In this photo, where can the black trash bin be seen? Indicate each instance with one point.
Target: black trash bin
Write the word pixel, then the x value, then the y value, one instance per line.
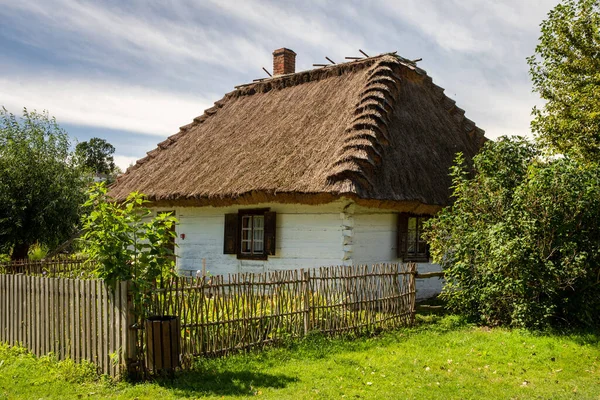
pixel 163 343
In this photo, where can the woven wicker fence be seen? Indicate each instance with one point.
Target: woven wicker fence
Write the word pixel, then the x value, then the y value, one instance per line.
pixel 224 314
pixel 50 268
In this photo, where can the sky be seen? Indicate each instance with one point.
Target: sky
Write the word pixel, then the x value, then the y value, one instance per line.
pixel 133 72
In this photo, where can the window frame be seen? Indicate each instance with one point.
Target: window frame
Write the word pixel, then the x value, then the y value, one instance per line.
pixel 251 256
pixel 233 234
pixel 417 242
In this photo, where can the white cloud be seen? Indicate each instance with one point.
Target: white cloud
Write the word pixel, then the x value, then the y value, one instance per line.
pixel 476 49
pixel 472 26
pixel 124 162
pixel 90 31
pixel 102 104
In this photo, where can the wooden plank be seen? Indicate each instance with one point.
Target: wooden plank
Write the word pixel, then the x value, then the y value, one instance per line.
pixel 132 334
pixel 3 295
pixel 84 306
pixel 30 313
pixel 72 341
pixel 8 283
pixel 25 316
pixel 77 320
pixel 64 321
pixel 52 315
pixel 91 322
pixel 10 308
pixel 124 331
pixel 59 318
pixel 35 319
pixel 5 301
pixel 167 331
pixel 19 304
pixel 44 331
pixel 426 275
pixel 110 337
pixel 105 328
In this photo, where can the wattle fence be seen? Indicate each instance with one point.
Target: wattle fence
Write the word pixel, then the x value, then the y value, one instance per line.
pixel 224 314
pixel 85 319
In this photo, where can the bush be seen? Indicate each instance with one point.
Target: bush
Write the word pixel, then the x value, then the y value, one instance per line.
pixel 124 242
pixel 521 244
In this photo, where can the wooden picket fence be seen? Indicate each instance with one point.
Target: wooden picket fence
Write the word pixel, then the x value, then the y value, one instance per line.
pixel 224 314
pixel 71 318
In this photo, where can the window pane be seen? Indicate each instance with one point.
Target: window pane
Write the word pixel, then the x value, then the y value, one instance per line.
pixel 259 233
pixel 412 223
pixel 247 222
pixel 246 247
pixel 246 234
pixel 411 242
pixel 411 236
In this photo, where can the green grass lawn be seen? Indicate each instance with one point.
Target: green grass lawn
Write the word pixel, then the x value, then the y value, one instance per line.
pixel 441 358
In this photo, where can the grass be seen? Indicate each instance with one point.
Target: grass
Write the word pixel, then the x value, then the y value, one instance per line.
pixel 442 358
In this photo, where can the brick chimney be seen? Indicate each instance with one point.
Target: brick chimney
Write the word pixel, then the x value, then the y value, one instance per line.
pixel 284 61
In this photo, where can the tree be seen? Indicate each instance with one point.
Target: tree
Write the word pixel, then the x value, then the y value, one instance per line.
pixel 41 186
pixel 565 71
pixel 125 243
pixel 520 245
pixel 96 154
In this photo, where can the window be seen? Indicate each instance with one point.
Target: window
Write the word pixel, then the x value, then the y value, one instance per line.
pixel 250 234
pixel 411 245
pixel 253 234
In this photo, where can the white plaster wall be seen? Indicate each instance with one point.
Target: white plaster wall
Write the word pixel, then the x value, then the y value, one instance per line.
pixel 306 236
pixel 375 241
pixel 338 233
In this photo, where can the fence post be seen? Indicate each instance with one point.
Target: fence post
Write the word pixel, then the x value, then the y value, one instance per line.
pixel 306 281
pixel 131 328
pixel 413 290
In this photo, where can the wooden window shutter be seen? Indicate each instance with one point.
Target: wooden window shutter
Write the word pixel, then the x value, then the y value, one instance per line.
pixel 230 242
pixel 270 223
pixel 402 234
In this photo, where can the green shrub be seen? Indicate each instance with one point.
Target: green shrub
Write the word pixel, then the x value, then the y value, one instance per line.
pixel 37 252
pixel 521 244
pixel 124 242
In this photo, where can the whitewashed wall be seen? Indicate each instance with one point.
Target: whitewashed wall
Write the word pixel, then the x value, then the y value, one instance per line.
pixel 306 236
pixel 375 241
pixel 338 233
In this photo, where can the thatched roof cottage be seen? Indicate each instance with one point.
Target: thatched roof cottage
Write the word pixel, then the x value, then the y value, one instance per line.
pixel 336 165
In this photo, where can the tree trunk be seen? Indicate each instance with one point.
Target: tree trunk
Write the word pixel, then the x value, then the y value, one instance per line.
pixel 20 251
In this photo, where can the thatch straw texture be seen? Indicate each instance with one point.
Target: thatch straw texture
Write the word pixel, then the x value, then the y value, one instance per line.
pixel 376 129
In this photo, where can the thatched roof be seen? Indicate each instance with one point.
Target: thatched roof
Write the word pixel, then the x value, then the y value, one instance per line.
pixel 376 130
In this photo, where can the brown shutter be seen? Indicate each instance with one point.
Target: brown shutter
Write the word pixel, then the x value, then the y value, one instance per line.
pixel 402 234
pixel 270 222
pixel 230 242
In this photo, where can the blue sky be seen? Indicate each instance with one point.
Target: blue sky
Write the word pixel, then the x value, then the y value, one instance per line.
pixel 133 72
